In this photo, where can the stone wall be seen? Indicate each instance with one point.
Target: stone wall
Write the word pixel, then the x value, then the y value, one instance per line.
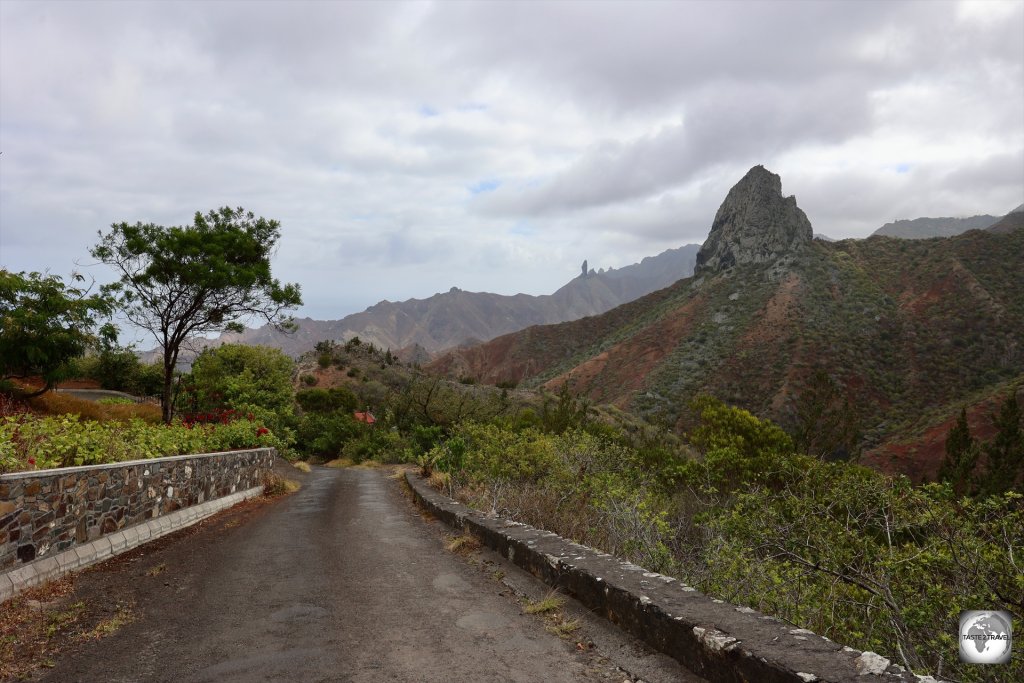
pixel 49 511
pixel 718 641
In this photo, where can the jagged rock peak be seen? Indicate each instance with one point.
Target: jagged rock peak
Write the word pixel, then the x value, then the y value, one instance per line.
pixel 755 224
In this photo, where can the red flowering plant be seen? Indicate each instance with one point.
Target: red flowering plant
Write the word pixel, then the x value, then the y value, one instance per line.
pixel 246 388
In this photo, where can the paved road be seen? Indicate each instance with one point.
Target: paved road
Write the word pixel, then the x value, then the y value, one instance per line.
pixel 345 581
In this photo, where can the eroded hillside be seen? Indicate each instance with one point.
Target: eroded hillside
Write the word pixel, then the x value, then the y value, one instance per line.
pixel 851 341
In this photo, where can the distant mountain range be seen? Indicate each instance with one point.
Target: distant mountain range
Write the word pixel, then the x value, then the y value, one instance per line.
pixel 457 317
pixel 420 328
pixel 924 228
pixel 846 340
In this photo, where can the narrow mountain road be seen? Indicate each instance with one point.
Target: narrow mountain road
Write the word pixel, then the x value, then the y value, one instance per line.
pixel 343 581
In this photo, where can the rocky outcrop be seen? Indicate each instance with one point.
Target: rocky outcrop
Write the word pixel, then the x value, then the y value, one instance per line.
pixel 755 224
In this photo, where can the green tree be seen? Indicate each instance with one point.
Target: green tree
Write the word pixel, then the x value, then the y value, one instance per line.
pixel 247 379
pixel 568 412
pixel 327 400
pixel 44 324
pixel 1006 450
pixel 827 421
pixel 181 282
pixel 961 454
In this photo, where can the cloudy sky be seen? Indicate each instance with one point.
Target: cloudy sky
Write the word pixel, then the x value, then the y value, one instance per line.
pixel 410 147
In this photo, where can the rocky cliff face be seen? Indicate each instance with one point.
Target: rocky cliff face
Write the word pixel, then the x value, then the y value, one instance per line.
pixel 755 224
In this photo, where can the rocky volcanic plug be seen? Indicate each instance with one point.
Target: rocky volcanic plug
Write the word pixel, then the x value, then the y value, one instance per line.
pixel 866 337
pixel 755 224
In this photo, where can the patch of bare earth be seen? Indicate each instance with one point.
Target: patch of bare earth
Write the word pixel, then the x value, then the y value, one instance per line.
pixel 613 376
pixel 920 457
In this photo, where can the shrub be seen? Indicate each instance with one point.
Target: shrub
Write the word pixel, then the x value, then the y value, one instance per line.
pixel 33 442
pixel 326 400
pixel 246 379
pixel 325 434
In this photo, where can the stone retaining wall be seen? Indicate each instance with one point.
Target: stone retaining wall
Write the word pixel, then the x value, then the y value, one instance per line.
pixel 712 638
pixel 46 512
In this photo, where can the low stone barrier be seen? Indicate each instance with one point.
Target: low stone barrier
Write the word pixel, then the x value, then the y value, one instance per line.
pixel 54 521
pixel 712 638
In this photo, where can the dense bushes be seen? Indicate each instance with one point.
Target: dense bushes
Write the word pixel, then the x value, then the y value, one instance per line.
pixel 866 559
pixel 32 442
pixel 251 380
pixel 119 369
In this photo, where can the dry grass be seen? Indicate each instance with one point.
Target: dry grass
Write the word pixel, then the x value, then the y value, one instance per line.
pixel 398 472
pixel 302 466
pixel 275 485
pixel 439 480
pixel 53 403
pixel 349 462
pixel 157 570
pixel 463 545
pixel 562 627
pixel 124 616
pixel 368 465
pixel 555 621
pixel 34 624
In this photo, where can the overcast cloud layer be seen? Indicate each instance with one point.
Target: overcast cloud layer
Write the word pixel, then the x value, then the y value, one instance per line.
pixel 410 147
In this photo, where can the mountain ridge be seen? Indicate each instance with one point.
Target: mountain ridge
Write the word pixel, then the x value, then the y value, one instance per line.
pixel 453 318
pixel 926 228
pixel 872 330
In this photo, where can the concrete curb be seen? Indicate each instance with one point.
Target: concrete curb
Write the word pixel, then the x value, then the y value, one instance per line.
pixel 80 557
pixel 714 639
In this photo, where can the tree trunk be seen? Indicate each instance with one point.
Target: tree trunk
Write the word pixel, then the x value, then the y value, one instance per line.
pixel 166 400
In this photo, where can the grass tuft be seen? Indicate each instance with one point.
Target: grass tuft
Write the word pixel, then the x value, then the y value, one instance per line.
pixel 551 603
pixel 439 480
pixel 302 466
pixel 157 570
pixel 562 627
pixel 275 485
pixel 122 618
pixel 463 545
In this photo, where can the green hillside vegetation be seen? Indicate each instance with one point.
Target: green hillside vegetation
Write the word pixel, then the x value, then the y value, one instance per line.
pixel 864 558
pixel 877 330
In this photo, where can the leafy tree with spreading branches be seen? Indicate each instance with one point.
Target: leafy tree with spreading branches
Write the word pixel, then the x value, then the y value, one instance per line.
pixel 44 324
pixel 181 282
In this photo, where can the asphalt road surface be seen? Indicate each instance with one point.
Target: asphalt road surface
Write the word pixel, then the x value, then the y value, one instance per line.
pixel 344 581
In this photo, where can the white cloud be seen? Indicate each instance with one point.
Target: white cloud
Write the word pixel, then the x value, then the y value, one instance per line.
pixel 606 131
